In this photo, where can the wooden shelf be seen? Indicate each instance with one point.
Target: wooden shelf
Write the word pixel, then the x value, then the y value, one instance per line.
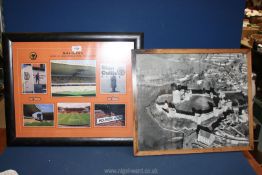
pixel 2 140
pixel 253 162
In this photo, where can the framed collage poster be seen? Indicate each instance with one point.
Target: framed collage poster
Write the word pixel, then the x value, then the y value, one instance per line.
pixel 192 101
pixel 69 88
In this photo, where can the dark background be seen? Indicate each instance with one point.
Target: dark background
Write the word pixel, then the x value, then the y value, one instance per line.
pixel 166 24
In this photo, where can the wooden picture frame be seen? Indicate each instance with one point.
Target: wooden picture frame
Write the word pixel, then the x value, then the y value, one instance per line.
pixel 53 84
pixel 192 101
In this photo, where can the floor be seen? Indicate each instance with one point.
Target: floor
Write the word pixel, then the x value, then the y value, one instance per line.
pixel 253 163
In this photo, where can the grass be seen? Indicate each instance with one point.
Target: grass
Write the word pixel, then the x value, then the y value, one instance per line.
pixel 74 119
pixel 43 123
pixel 85 93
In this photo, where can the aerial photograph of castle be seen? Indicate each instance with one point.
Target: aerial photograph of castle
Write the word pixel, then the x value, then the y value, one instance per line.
pixel 192 101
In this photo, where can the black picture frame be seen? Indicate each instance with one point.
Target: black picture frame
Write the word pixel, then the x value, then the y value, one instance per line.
pixel 8 39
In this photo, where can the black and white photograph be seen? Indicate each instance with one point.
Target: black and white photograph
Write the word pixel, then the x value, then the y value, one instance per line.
pixel 33 78
pixel 113 78
pixel 73 78
pixel 189 101
pixel 110 115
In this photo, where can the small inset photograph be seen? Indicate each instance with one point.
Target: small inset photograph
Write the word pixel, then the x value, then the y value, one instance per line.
pixel 38 114
pixel 73 115
pixel 33 78
pixel 110 115
pixel 112 78
pixel 73 78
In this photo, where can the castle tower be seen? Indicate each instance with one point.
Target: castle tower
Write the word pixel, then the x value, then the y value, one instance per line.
pixel 176 96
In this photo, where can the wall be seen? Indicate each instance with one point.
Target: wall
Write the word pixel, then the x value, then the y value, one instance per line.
pixel 166 23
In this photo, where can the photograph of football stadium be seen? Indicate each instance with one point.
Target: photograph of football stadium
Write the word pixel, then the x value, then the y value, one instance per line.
pixel 73 78
pixel 73 114
pixel 191 101
pixel 38 115
pixel 33 78
pixel 110 115
pixel 112 78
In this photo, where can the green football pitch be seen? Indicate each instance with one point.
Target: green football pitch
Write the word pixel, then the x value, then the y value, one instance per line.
pixel 74 119
pixel 38 123
pixel 67 93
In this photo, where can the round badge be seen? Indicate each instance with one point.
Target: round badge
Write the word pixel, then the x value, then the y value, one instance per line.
pixel 33 56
